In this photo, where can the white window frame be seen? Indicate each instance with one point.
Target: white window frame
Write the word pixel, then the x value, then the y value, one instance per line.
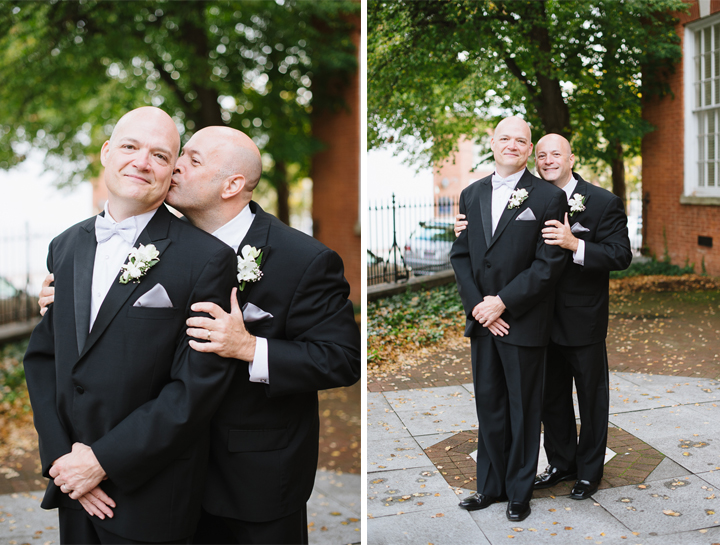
pixel 693 191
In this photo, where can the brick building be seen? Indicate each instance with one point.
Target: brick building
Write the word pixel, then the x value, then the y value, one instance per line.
pixel 681 158
pixel 456 173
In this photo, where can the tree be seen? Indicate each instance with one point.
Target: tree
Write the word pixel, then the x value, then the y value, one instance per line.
pixel 438 70
pixel 71 69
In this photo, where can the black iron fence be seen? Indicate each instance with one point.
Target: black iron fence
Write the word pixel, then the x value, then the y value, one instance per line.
pixel 409 237
pixel 22 269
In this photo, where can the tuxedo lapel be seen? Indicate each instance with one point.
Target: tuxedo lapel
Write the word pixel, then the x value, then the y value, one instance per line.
pixel 84 261
pixel 257 236
pixel 155 233
pixel 486 209
pixel 509 214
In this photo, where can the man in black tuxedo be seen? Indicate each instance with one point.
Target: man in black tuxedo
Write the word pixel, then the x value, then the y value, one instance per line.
pixel 121 402
pixel 506 275
pixel 596 234
pixel 299 335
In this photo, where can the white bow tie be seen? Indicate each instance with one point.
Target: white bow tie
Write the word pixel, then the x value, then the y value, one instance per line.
pixel 106 229
pixel 498 182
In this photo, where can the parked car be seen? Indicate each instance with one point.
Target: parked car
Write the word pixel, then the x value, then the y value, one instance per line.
pixel 427 250
pixel 15 304
pixel 381 270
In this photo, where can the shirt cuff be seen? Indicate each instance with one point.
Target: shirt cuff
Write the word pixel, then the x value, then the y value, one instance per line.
pixel 258 367
pixel 579 254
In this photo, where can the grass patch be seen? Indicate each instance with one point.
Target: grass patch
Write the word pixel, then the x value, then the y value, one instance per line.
pixel 13 389
pixel 413 318
pixel 651 268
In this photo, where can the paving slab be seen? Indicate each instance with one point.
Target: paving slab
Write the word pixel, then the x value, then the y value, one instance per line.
pixel 663 507
pixel 553 520
pixel 334 510
pixel 406 491
pixel 456 528
pixel 398 453
pixel 667 469
pixel 382 422
pixel 446 419
pixel 427 398
pixel 629 396
pixel 23 521
pixel 690 437
pixel 680 389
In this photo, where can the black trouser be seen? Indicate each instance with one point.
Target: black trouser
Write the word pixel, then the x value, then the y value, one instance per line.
pixel 508 395
pixel 78 528
pixel 289 530
pixel 588 365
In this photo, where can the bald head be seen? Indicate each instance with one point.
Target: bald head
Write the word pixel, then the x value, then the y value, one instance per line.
pixel 150 115
pixel 511 144
pixel 554 159
pixel 236 152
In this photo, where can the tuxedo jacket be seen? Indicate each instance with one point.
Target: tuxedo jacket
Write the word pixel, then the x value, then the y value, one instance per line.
pixel 264 438
pixel 581 302
pixel 132 389
pixel 514 263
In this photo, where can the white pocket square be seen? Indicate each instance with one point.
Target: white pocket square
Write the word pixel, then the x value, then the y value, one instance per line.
pixel 253 313
pixel 527 215
pixel 157 297
pixel 578 228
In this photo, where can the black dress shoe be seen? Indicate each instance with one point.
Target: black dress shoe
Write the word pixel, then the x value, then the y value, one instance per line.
pixel 517 511
pixel 584 489
pixel 477 501
pixel 552 476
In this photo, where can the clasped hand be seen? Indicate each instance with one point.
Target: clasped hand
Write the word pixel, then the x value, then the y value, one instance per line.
pixel 489 312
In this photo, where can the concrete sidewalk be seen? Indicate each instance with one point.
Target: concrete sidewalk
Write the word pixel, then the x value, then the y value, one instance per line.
pixel 333 514
pixel 659 486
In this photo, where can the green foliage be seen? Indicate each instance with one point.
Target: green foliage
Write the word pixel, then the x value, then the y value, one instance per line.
pixel 441 69
pixel 71 69
pixel 415 317
pixel 653 267
pixel 12 373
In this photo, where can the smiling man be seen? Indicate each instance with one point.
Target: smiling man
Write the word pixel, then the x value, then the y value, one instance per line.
pixel 506 275
pixel 121 402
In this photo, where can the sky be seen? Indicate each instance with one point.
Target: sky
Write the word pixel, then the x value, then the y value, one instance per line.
pixel 30 199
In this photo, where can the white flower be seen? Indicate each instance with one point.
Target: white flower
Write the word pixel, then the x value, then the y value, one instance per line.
pixel 517 198
pixel 248 265
pixel 576 204
pixel 139 262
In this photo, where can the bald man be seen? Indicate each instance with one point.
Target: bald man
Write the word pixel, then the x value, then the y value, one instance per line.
pixel 595 232
pixel 506 276
pixel 121 402
pixel 298 336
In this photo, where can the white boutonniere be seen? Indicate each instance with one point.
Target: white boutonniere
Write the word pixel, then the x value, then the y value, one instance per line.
pixel 139 262
pixel 517 198
pixel 249 265
pixel 577 204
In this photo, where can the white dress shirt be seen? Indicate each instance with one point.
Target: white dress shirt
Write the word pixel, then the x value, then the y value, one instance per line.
pixel 501 196
pixel 232 234
pixel 579 254
pixel 109 258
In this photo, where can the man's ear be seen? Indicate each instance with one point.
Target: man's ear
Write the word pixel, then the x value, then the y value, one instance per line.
pixel 232 186
pixel 104 151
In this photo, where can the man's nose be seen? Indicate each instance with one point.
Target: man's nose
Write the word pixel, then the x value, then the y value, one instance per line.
pixel 142 160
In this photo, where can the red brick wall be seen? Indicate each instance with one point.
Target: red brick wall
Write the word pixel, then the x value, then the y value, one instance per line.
pixel 662 178
pixel 336 180
pixel 458 172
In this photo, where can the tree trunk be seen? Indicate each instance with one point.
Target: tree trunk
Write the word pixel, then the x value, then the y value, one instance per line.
pixel 283 193
pixel 618 172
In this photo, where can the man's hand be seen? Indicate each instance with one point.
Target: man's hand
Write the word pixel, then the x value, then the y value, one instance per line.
pixel 47 294
pixel 488 311
pixel 559 234
pixel 226 333
pixel 460 225
pixel 78 472
pixel 97 503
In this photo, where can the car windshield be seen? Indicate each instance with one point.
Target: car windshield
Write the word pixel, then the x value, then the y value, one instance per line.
pixel 7 291
pixel 436 233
